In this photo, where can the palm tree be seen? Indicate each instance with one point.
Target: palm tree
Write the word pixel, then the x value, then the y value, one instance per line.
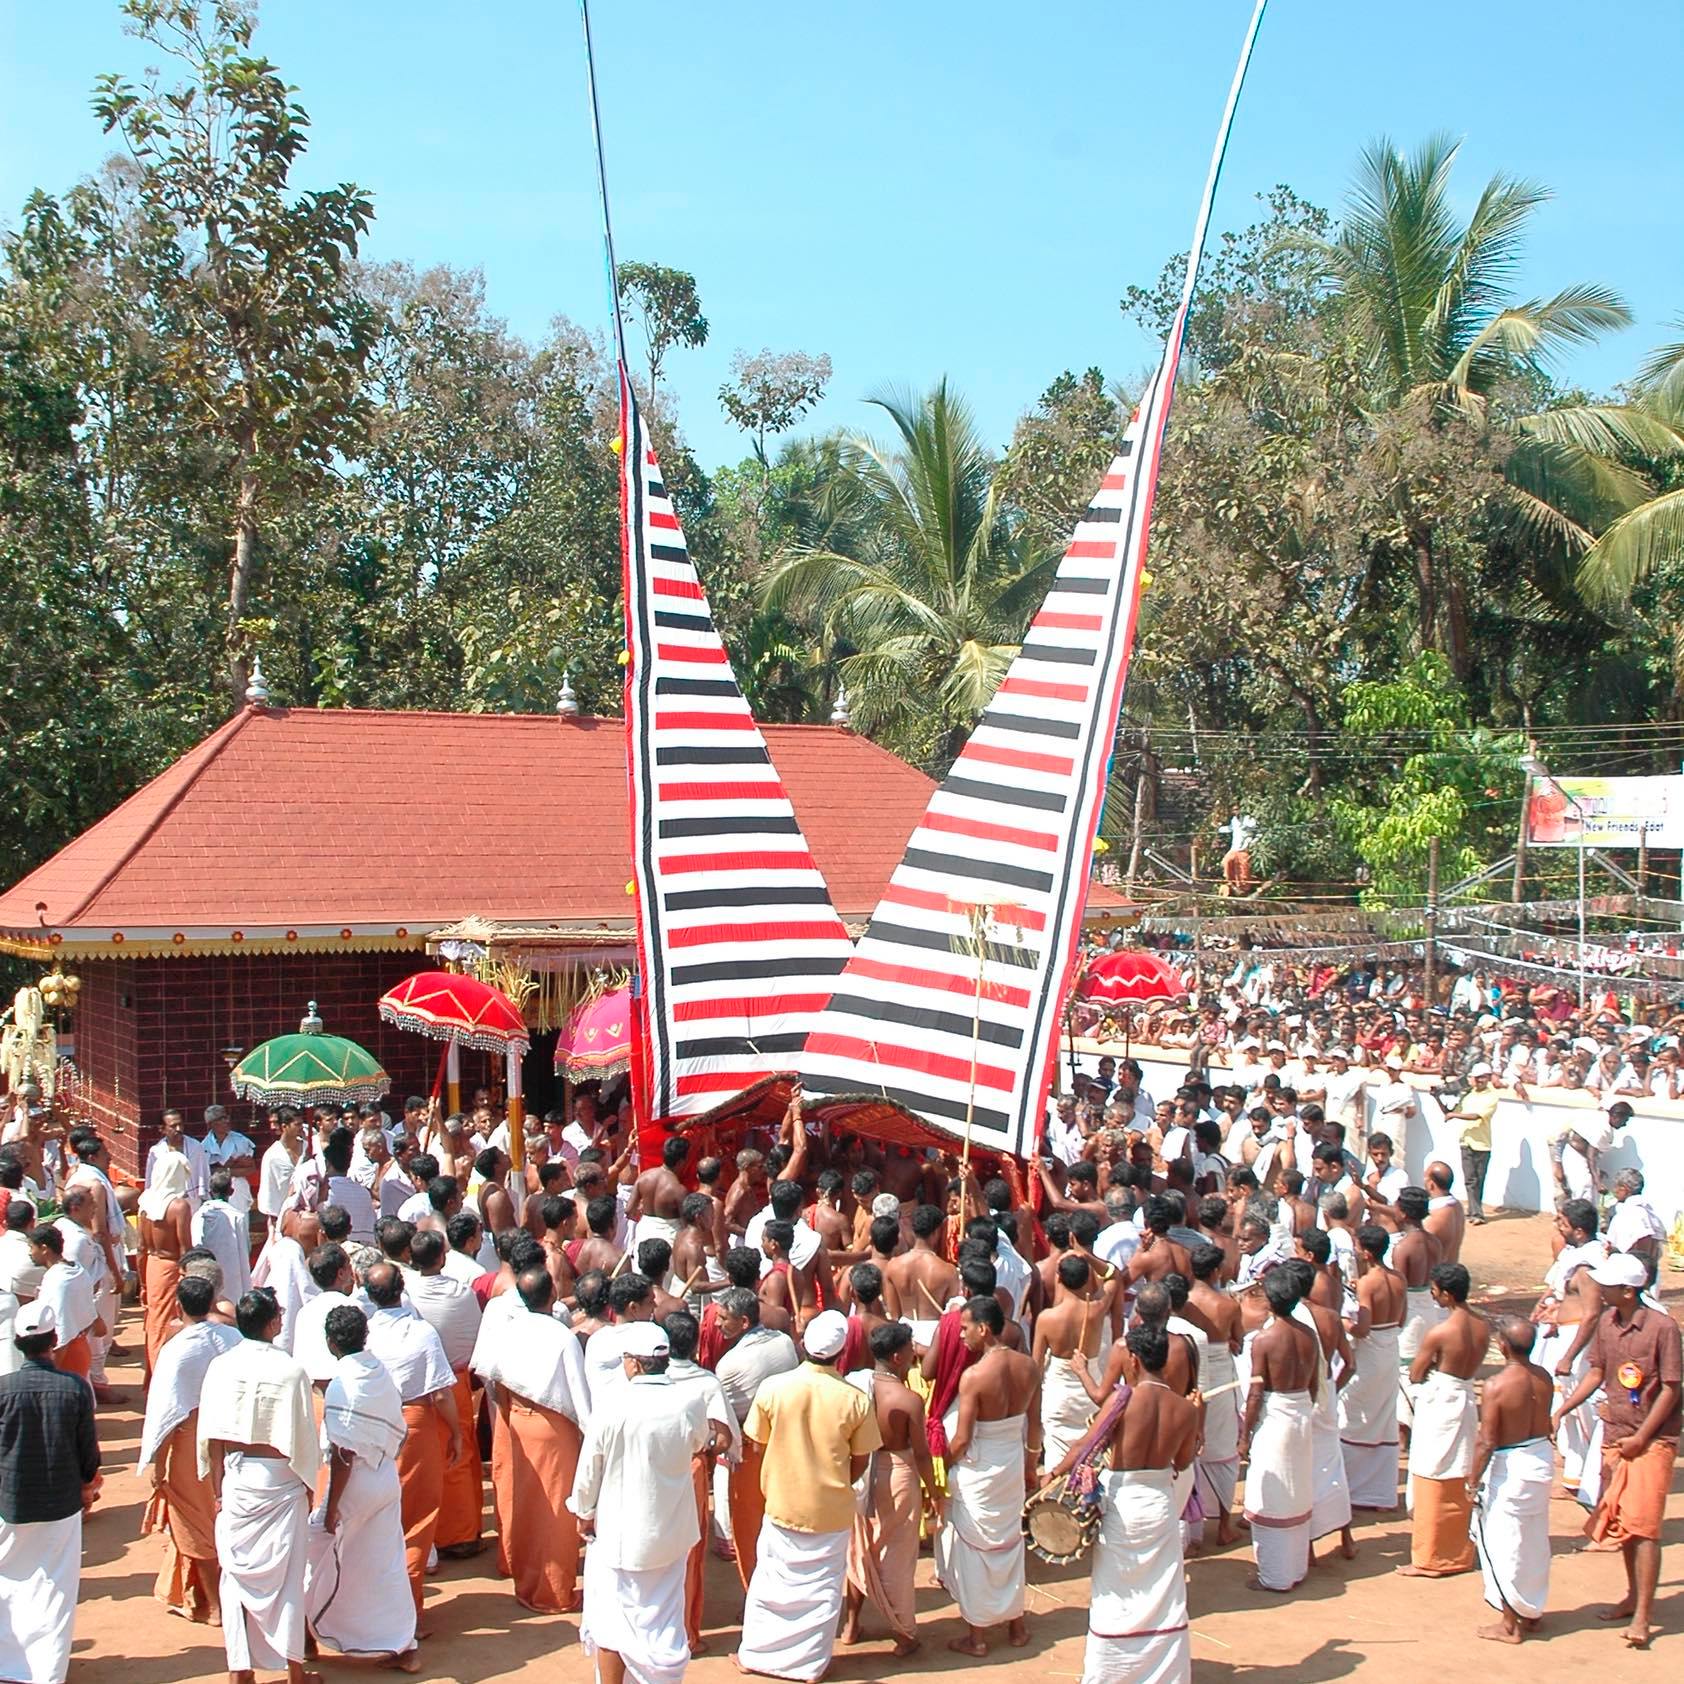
pixel 914 569
pixel 1425 296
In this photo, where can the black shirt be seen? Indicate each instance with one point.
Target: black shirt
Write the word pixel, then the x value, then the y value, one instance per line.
pixel 47 1447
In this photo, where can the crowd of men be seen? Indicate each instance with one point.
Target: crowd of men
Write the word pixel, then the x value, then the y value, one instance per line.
pixel 814 1357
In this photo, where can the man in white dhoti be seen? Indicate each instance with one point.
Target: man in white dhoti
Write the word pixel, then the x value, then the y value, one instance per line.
pixel 49 1472
pixel 633 1496
pixel 992 1450
pixel 1567 1317
pixel 108 1230
pixel 356 1587
pixel 1414 1254
pixel 1278 1438
pixel 223 1230
pixel 1330 1508
pixel 1217 1471
pixel 1066 1346
pixel 257 1444
pixel 819 1433
pixel 1513 1469
pixel 1368 1427
pixel 1137 1607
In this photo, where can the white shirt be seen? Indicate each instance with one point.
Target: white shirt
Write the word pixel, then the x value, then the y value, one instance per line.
pixel 194 1151
pixel 691 1376
pixel 634 1474
pixel 1391 1182
pixel 754 1359
pixel 220 1152
pixel 1118 1243
pixel 82 1249
pixel 449 1309
pixel 1634 1220
pixel 356 1202
pixel 274 1180
pixel 222 1229
pixel 20 1274
pixel 415 1209
pixel 1340 1088
pixel 467 1270
pixel 802 1249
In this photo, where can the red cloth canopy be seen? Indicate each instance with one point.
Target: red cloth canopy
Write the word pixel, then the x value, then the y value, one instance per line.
pixel 449 1007
pixel 1131 974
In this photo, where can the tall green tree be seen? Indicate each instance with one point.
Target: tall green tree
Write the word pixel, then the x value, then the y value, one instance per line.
pixel 267 341
pixel 667 307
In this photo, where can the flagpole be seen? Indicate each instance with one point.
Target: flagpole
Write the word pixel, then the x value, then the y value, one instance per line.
pixel 602 191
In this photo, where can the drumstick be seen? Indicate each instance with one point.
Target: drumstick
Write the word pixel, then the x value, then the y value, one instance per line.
pixel 1217 1391
pixel 932 1298
pixel 625 1258
pixel 690 1279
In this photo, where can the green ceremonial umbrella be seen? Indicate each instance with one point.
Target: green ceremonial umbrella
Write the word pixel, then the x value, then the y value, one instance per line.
pixel 309 1068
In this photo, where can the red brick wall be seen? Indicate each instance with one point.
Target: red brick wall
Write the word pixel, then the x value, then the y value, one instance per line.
pixel 150 1032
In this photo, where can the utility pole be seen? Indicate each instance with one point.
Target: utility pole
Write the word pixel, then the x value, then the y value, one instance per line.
pixel 1520 841
pixel 1431 989
pixel 1642 861
pixel 1139 808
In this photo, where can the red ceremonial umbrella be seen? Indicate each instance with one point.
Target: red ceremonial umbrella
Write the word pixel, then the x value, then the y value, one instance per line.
pixel 1130 974
pixel 456 1008
pixel 596 1043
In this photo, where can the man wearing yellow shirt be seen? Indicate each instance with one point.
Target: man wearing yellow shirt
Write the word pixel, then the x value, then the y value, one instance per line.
pixel 1478 1107
pixel 819 1433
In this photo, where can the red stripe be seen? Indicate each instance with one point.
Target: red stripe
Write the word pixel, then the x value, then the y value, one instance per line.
pixel 910 1058
pixel 986 832
pixel 875 970
pixel 743 721
pixel 771 790
pixel 1047 620
pixel 668 523
pixel 1026 760
pixel 928 901
pixel 717 1081
pixel 795 859
pixel 688 1011
pixel 704 935
pixel 1092 549
pixel 1045 689
pixel 677 587
pixel 700 654
pixel 1115 482
pixel 649 456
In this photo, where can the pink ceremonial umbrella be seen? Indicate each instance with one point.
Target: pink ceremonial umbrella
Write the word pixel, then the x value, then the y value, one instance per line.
pixel 596 1042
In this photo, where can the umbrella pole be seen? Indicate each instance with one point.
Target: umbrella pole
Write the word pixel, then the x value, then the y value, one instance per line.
pixel 453 1076
pixel 444 1059
pixel 517 1112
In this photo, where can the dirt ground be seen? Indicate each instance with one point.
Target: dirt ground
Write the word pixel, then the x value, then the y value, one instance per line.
pixel 1349 1620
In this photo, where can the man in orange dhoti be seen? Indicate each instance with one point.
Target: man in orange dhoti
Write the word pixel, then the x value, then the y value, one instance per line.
pixel 69 1292
pixel 756 1353
pixel 883 1553
pixel 182 1507
pixel 166 1231
pixel 411 1353
pixel 453 1313
pixel 535 1371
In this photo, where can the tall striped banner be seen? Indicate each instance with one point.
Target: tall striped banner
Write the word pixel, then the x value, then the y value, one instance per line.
pixel 951 1003
pixel 738 943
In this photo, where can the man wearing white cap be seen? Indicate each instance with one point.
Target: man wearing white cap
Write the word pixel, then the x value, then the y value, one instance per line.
pixel 1343 1088
pixel 1474 1113
pixel 819 1433
pixel 1394 1104
pixel 49 1468
pixel 634 1500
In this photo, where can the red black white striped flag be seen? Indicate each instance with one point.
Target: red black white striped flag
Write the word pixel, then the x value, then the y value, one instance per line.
pixel 738 943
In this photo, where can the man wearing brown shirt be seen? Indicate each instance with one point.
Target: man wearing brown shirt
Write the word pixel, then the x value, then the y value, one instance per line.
pixel 1634 1356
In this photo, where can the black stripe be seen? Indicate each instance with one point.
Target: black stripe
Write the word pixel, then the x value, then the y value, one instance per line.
pixel 760 894
pixel 740 1046
pixel 683 622
pixel 748 755
pixel 1058 655
pixel 671 829
pixel 657 488
pixel 1033 727
pixel 695 687
pixel 1040 799
pixel 938 941
pixel 1126 448
pixel 749 970
pixel 921 1017
pixel 1096 512
pixel 669 552
pixel 1077 586
pixel 984 1119
pixel 982 871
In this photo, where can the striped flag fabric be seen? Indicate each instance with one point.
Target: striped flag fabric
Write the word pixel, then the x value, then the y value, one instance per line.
pixel 738 945
pixel 951 1004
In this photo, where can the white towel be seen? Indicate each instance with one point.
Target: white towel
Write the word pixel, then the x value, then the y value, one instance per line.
pixel 793 1604
pixel 980 1551
pixel 1511 1527
pixel 1137 1612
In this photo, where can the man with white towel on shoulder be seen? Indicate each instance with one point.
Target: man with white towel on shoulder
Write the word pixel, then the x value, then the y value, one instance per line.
pixel 632 1495
pixel 257 1445
pixel 819 1433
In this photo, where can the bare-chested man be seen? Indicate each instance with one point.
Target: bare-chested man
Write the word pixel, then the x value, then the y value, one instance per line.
pixel 1065 1348
pixel 883 1243
pixel 1080 1190
pixel 1441 1444
pixel 1415 1254
pixel 1514 1459
pixel 991 1457
pixel 693 1245
pixel 1158 1255
pixel 708 1174
pixel 1446 1220
pixel 748 1193
pixel 1368 1401
pixel 1139 1545
pixel 166 1231
pixel 1278 1439
pixel 598 1250
pixel 1292 1196
pixel 659 1193
pixel 924 1280
pixel 1316 1249
pixel 883 1563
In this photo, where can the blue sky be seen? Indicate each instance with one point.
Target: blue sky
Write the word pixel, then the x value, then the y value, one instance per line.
pixel 921 188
